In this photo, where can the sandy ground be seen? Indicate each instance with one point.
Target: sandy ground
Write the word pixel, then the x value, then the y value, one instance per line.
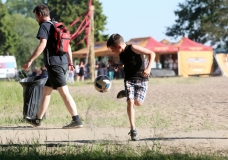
pixel 194 111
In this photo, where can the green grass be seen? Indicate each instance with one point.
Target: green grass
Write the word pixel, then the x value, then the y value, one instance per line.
pixel 88 104
pixel 95 151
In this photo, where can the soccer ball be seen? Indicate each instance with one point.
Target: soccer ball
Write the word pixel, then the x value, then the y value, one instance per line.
pixel 102 83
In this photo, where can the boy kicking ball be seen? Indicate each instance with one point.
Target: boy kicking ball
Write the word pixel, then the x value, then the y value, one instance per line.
pixel 136 75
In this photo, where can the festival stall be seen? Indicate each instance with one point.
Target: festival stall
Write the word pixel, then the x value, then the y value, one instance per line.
pixel 100 49
pixel 153 45
pixel 222 60
pixel 194 58
pixel 185 57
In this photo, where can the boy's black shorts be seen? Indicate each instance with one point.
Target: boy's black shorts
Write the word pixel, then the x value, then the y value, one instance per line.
pixel 56 76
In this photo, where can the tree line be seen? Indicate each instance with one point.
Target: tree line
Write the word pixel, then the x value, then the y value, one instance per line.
pixel 200 20
pixel 203 21
pixel 18 27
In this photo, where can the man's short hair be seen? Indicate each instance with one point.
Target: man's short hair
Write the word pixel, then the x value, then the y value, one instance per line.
pixel 42 10
pixel 114 40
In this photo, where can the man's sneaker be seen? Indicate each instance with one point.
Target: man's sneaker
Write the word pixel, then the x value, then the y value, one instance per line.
pixel 121 94
pixel 74 124
pixel 35 122
pixel 134 135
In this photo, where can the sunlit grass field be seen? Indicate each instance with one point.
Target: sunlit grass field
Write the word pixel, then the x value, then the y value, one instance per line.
pixel 89 102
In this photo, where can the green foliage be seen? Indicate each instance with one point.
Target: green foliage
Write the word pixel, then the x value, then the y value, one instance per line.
pixel 24 7
pixel 8 39
pixel 26 29
pixel 18 27
pixel 65 11
pixel 201 20
pixel 68 11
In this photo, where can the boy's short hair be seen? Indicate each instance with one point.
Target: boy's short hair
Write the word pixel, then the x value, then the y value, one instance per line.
pixel 42 10
pixel 114 40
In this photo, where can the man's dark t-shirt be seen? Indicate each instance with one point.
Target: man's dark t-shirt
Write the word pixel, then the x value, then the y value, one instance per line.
pixel 46 31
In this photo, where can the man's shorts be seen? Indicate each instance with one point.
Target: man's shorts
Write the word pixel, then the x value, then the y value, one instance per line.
pixel 136 89
pixel 56 76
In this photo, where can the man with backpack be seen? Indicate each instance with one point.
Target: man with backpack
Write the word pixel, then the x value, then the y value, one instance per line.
pixel 57 60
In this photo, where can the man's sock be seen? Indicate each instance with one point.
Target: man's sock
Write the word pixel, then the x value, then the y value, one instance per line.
pixel 74 118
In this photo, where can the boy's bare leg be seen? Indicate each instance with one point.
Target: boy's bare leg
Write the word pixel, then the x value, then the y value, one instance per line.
pixel 45 101
pixel 68 100
pixel 131 113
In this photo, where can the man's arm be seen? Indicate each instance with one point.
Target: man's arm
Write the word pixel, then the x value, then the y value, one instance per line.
pixel 70 61
pixel 36 53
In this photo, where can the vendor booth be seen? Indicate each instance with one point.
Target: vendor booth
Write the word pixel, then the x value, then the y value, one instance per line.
pixel 194 58
pixel 184 58
pixel 222 60
pixel 100 49
pixel 163 53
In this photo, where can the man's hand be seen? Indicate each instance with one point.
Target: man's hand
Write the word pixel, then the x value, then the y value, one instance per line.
pixel 71 68
pixel 27 65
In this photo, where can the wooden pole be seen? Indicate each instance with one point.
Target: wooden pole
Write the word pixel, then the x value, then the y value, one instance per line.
pixel 91 53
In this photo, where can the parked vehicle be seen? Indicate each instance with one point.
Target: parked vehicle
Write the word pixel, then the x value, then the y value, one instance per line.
pixel 8 67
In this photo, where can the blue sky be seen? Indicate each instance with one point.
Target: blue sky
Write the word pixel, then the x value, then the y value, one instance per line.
pixel 133 19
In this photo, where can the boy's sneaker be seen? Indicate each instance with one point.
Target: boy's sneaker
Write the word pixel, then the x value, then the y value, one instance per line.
pixel 34 122
pixel 74 124
pixel 121 94
pixel 134 135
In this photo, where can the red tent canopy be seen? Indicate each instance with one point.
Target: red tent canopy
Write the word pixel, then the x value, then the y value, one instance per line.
pixel 186 44
pixel 152 44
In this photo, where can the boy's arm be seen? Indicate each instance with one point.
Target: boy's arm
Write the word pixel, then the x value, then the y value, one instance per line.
pixel 115 65
pixel 149 53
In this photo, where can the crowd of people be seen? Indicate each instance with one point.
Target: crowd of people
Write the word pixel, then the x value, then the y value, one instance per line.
pixel 81 72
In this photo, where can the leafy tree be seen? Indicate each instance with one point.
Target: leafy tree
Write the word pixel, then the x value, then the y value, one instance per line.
pixel 8 39
pixel 24 7
pixel 66 12
pixel 26 29
pixel 201 20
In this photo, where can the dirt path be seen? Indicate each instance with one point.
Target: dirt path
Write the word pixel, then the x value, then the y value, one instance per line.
pixel 190 115
pixel 192 141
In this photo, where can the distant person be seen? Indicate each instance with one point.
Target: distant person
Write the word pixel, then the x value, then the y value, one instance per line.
pixel 77 69
pixel 166 62
pixel 175 66
pixel 96 69
pixel 81 73
pixel 136 75
pixel 57 66
pixel 170 62
pixel 111 72
pixel 101 68
pixel 71 77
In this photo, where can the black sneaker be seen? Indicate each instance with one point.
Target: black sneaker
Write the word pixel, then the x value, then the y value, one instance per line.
pixel 74 124
pixel 34 122
pixel 121 94
pixel 134 135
